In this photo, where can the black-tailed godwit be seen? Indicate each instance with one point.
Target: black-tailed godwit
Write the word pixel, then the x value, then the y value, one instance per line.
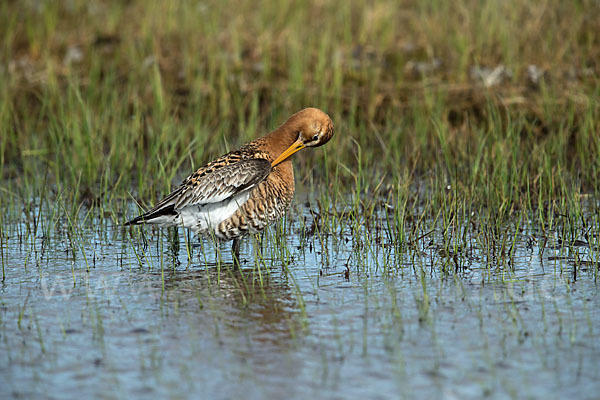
pixel 246 189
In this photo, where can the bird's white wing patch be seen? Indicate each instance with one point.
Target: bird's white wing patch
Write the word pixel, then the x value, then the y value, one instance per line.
pixel 202 218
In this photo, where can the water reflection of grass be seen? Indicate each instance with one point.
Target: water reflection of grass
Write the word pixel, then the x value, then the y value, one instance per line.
pixel 395 310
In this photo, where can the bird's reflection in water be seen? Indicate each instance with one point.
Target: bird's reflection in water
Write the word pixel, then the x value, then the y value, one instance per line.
pixel 254 302
pixel 246 315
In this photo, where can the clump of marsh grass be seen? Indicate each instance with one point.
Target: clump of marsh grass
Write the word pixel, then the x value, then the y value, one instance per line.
pixel 454 133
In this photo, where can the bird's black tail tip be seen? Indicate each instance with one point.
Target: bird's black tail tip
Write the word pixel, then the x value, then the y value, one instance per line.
pixel 135 221
pixel 150 216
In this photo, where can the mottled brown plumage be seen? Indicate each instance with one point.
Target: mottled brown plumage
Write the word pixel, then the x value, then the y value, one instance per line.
pixel 246 189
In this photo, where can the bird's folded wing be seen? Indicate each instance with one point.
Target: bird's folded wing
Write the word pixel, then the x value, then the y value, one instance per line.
pixel 214 183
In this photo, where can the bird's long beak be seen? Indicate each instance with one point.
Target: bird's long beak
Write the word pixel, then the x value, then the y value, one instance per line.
pixel 296 146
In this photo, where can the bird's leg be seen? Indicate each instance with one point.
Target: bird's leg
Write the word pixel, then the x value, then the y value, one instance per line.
pixel 235 250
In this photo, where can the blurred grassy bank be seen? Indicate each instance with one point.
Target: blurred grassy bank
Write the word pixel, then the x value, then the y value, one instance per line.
pixel 498 99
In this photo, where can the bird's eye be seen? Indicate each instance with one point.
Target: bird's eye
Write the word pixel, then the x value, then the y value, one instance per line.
pixel 315 137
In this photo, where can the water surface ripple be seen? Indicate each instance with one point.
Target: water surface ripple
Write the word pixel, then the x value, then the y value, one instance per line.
pixel 104 313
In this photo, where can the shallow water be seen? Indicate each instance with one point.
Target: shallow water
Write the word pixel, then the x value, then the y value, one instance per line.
pixel 104 312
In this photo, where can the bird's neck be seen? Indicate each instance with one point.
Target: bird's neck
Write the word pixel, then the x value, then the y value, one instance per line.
pixel 281 138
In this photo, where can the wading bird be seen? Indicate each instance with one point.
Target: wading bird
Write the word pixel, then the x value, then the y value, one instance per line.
pixel 246 189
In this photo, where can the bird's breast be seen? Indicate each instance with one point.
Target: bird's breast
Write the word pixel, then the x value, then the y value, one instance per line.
pixel 268 201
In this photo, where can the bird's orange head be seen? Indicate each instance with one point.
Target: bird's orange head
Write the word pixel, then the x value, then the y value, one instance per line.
pixel 313 128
